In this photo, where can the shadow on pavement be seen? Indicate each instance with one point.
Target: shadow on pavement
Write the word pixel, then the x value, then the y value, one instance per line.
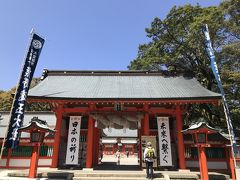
pixel 60 175
pixel 217 177
pixel 113 166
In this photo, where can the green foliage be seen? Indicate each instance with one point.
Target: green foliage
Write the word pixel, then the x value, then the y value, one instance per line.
pixel 6 99
pixel 231 11
pixel 38 106
pixel 178 42
pixel 231 79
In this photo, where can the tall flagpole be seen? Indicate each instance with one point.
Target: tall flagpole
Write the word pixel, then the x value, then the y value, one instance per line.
pixel 9 119
pixel 214 67
pixel 12 137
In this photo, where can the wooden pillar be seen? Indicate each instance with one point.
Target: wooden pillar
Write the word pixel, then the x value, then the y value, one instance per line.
pixel 140 146
pixel 34 162
pixel 141 129
pixel 231 163
pixel 114 148
pixel 103 149
pixel 89 158
pixel 227 158
pixel 203 163
pixel 96 146
pixel 8 157
pixel 181 157
pixel 57 137
pixel 146 125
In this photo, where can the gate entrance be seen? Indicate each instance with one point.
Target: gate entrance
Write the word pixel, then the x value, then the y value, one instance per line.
pixel 106 141
pixel 120 149
pixel 134 98
pixel 119 139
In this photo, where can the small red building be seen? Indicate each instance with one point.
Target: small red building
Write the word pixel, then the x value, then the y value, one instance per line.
pixel 20 157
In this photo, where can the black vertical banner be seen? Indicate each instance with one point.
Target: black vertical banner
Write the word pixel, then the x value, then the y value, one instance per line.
pixel 19 101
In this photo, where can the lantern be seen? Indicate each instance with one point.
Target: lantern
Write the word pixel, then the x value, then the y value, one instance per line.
pixel 199 134
pixel 37 129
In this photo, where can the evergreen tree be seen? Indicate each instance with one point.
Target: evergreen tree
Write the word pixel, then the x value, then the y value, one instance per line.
pixel 178 42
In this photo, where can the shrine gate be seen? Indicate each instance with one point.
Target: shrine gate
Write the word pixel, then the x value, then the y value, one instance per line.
pixel 117 99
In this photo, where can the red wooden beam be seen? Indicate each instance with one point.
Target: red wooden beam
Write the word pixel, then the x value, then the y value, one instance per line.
pixel 153 110
pixel 34 162
pixel 179 121
pixel 126 101
pixel 162 111
pixel 203 163
pixel 146 125
pixel 57 137
pixel 89 157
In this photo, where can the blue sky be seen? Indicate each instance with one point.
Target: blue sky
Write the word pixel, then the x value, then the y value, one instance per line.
pixel 80 34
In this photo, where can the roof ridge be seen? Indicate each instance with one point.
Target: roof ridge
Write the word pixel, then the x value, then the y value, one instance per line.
pixel 47 72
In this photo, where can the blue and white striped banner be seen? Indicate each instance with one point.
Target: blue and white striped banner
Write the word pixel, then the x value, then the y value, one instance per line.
pixel 214 67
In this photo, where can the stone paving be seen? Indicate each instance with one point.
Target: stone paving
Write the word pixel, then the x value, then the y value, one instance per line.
pixel 131 160
pixel 128 168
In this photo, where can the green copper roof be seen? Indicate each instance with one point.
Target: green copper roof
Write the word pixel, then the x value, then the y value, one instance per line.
pixel 198 126
pixel 118 85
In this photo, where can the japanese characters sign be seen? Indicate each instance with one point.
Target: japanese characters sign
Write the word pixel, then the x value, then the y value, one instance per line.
pixel 73 140
pixel 19 101
pixel 165 153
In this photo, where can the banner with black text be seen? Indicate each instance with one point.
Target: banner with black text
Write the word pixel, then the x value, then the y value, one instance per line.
pixel 73 140
pixel 165 153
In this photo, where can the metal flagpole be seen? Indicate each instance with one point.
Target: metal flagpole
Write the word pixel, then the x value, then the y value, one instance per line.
pixel 214 67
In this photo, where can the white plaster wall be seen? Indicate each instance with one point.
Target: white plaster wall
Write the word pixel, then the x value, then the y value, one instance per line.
pixel 45 162
pixel 26 162
pixel 3 162
pixel 19 162
pixel 211 165
pixel 217 165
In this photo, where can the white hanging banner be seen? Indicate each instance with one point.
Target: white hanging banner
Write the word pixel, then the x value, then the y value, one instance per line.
pixel 73 140
pixel 164 141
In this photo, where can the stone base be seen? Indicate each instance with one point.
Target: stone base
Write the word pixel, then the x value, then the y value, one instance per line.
pixel 87 169
pixel 184 170
pixel 237 173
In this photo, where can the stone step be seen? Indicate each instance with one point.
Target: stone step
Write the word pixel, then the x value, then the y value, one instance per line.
pixel 114 178
pixel 116 175
pixel 194 176
pixel 136 175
